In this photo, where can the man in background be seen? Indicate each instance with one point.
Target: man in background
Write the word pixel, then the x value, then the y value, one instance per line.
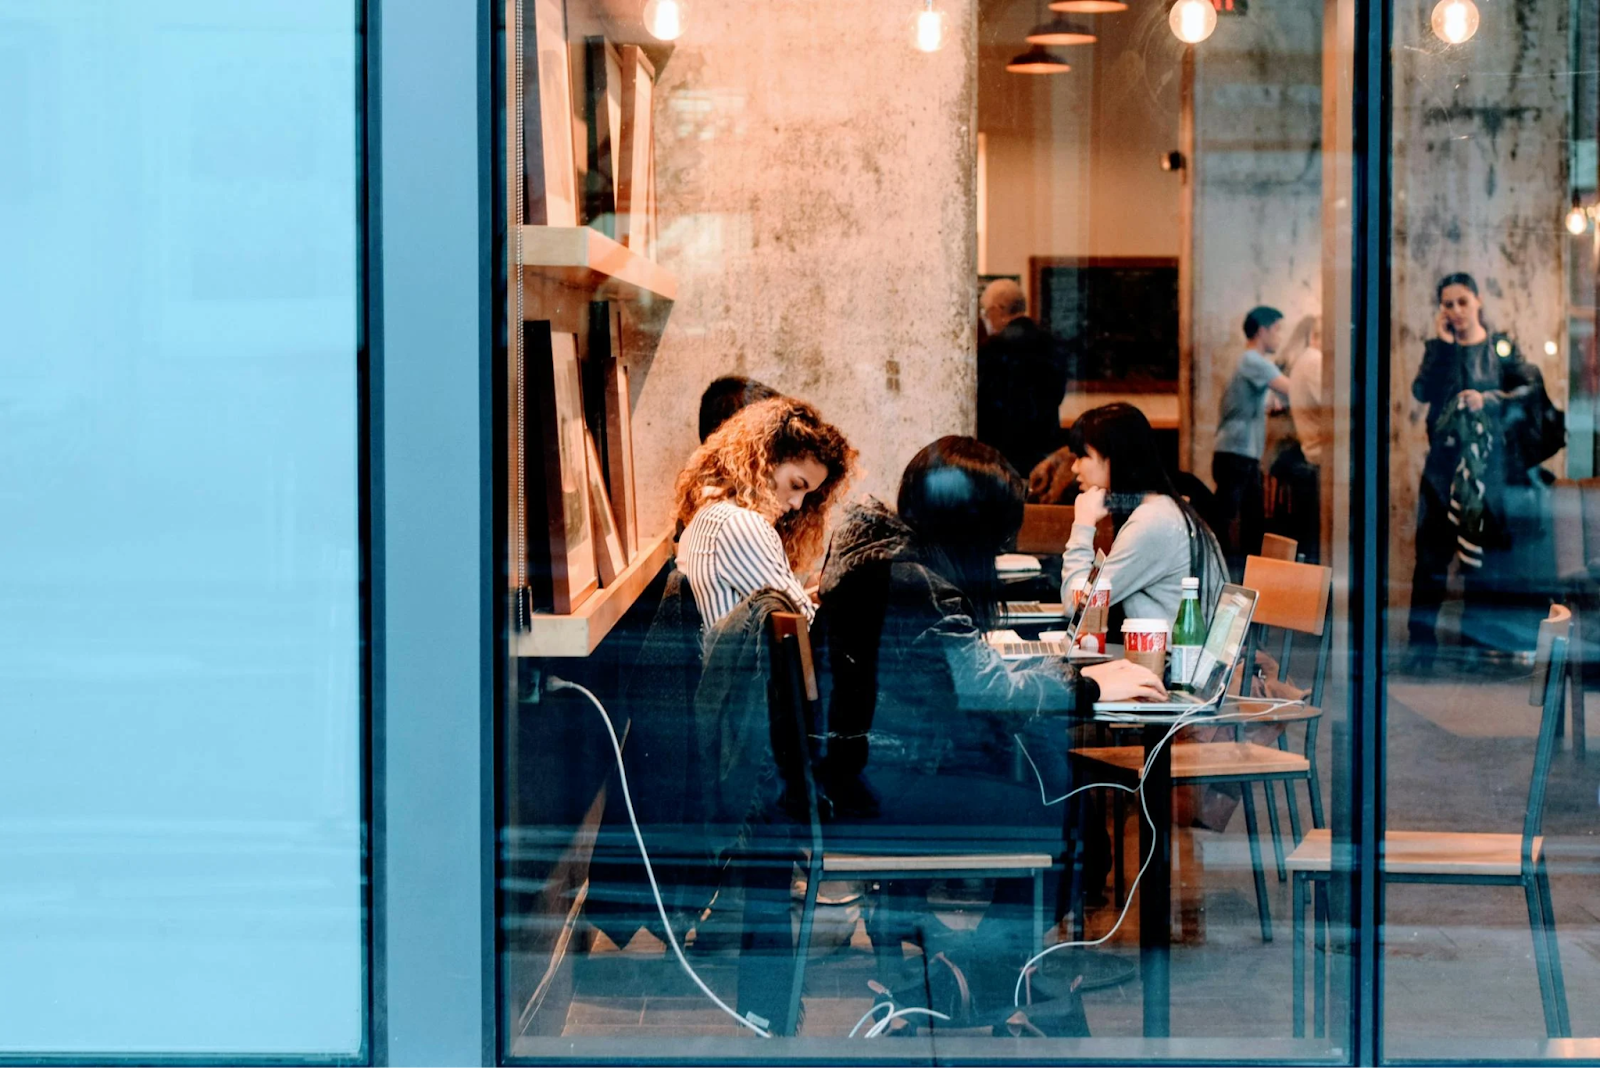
pixel 1242 436
pixel 1021 379
pixel 727 395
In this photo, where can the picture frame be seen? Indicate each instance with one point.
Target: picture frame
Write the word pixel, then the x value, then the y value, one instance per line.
pixel 619 440
pixel 550 170
pixel 609 553
pixel 572 569
pixel 634 167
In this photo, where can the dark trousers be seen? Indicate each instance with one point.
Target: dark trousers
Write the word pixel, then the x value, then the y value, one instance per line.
pixel 1240 506
pixel 1436 545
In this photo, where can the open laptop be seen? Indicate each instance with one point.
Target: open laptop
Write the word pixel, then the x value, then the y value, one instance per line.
pixel 1021 650
pixel 1219 657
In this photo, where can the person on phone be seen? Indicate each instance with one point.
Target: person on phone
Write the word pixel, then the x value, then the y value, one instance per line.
pixel 1465 368
pixel 1160 538
pixel 1242 437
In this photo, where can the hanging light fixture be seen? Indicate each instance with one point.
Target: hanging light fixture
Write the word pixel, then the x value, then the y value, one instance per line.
pixel 1059 31
pixel 1088 7
pixel 664 19
pixel 1037 60
pixel 1193 20
pixel 1577 220
pixel 1454 21
pixel 928 29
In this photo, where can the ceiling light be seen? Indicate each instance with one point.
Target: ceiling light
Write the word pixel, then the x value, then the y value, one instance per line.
pixel 1089 7
pixel 1455 21
pixel 1038 61
pixel 1577 221
pixel 1193 20
pixel 929 33
pixel 1058 31
pixel 664 19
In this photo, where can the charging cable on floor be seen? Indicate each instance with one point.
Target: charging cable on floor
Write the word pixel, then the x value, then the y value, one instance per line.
pixel 755 1024
pixel 1184 720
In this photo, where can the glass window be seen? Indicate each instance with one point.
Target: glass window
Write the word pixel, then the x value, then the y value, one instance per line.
pixel 1488 900
pixel 181 651
pixel 1032 282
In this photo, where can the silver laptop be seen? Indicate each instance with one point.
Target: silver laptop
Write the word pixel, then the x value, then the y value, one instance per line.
pixel 1219 657
pixel 1023 650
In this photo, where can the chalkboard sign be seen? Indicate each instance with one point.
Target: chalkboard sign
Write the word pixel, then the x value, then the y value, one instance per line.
pixel 1117 316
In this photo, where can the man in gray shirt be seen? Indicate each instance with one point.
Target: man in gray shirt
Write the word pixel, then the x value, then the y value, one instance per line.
pixel 1242 436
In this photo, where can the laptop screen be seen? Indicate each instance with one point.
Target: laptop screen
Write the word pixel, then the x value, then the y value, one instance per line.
pixel 1075 623
pixel 1224 640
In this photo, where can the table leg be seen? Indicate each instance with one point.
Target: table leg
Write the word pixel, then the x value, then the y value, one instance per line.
pixel 1155 889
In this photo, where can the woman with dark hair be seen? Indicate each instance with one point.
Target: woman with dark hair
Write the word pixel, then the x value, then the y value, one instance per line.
pixel 1472 379
pixel 907 598
pixel 1160 538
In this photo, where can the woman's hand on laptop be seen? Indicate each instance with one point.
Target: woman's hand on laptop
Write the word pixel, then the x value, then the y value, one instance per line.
pixel 1123 680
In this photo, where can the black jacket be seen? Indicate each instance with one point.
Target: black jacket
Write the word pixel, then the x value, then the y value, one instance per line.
pixel 1512 391
pixel 1021 379
pixel 914 684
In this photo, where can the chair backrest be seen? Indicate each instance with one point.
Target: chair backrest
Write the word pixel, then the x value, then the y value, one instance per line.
pixel 1297 599
pixel 1278 547
pixel 1045 528
pixel 794 696
pixel 1550 677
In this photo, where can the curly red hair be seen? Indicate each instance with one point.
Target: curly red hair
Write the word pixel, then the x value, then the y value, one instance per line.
pixel 738 461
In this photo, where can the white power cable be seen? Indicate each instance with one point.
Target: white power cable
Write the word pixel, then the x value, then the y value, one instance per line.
pixel 883 1024
pixel 869 1014
pixel 1179 723
pixel 672 939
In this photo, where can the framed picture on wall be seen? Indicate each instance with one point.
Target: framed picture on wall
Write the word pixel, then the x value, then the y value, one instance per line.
pixel 607 544
pixel 551 175
pixel 635 149
pixel 572 570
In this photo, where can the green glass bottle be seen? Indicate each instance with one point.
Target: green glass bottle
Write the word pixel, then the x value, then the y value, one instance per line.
pixel 1188 637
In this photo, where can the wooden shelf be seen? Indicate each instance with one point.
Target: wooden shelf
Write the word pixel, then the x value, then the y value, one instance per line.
pixel 582 258
pixel 580 633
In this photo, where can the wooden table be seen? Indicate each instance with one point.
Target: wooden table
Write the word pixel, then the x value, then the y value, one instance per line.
pixel 1155 842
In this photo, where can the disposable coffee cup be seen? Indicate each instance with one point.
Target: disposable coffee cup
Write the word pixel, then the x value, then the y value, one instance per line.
pixel 1144 641
pixel 1096 618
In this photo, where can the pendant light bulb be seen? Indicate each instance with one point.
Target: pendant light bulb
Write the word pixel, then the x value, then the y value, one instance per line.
pixel 1192 21
pixel 1089 7
pixel 1577 221
pixel 1038 61
pixel 664 19
pixel 929 33
pixel 1058 31
pixel 1455 21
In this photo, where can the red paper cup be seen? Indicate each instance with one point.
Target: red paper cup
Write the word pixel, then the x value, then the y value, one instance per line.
pixel 1144 641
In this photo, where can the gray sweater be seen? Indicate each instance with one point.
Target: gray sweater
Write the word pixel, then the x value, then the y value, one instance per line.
pixel 1148 561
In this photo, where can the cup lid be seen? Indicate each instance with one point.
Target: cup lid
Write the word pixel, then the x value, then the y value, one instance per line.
pixel 1144 624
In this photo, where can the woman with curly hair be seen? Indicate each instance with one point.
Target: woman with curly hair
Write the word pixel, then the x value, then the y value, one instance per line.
pixel 753 501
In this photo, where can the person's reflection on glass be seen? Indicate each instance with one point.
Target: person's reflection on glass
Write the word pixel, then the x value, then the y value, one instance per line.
pixel 1021 379
pixel 1476 384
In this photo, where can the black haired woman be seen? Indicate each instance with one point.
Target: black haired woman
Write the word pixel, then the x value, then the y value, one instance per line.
pixel 1465 370
pixel 1160 539
pixel 907 598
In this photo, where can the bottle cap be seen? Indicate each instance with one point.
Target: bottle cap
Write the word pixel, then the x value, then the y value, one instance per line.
pixel 1191 583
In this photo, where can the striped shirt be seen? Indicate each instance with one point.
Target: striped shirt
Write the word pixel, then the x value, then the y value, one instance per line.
pixel 728 553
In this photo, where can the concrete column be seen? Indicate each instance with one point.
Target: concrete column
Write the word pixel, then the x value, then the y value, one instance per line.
pixel 816 183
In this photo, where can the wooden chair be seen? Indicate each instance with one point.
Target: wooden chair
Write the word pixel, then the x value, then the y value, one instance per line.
pixel 1457 858
pixel 1278 547
pixel 1046 527
pixel 1296 598
pixel 794 687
